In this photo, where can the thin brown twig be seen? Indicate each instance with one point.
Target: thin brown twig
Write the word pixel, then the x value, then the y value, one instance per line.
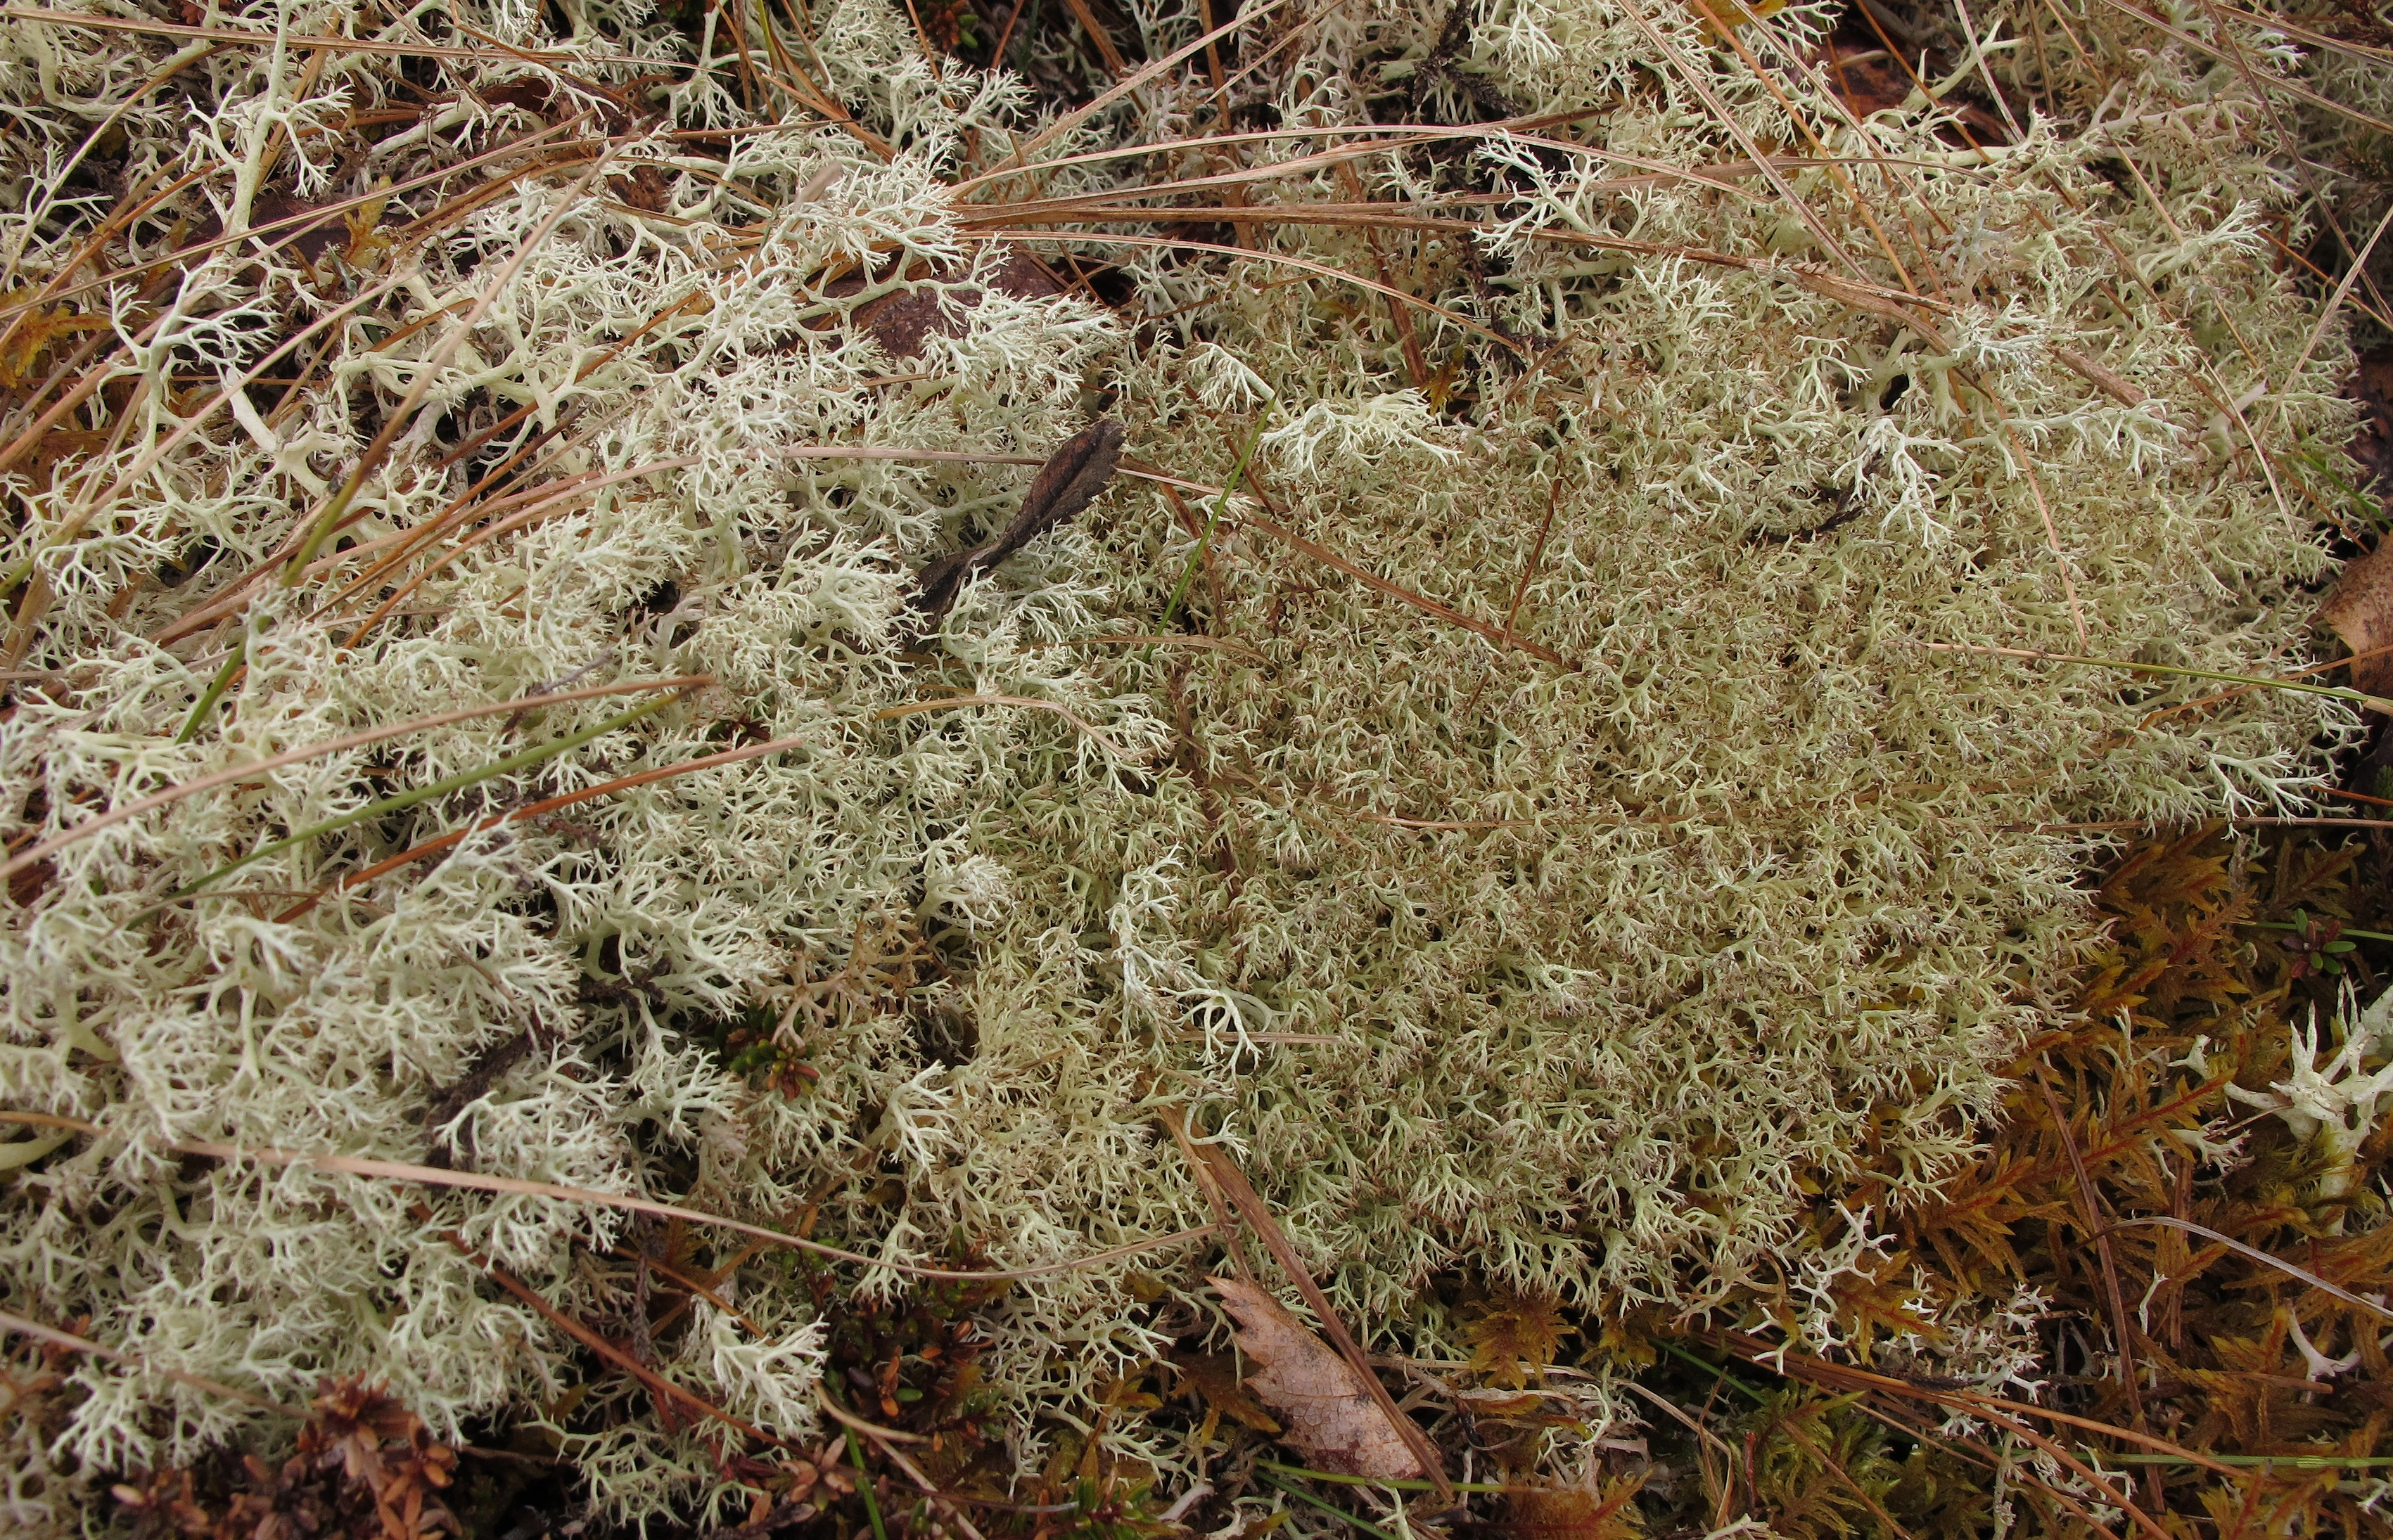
pixel 1521 590
pixel 658 1385
pixel 249 768
pixel 73 1343
pixel 549 805
pixel 1501 636
pixel 1976 1404
pixel 2124 1357
pixel 292 227
pixel 223 36
pixel 1019 160
pixel 1989 1408
pixel 1107 48
pixel 891 714
pixel 1836 1467
pixel 2256 1254
pixel 546 502
pixel 434 1175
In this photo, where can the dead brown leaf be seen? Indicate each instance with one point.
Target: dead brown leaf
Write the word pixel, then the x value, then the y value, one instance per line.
pixel 1573 1513
pixel 1332 1419
pixel 907 321
pixel 366 1468
pixel 2361 612
pixel 1071 479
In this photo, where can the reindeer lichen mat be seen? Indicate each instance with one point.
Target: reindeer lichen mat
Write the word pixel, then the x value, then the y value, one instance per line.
pixel 1556 820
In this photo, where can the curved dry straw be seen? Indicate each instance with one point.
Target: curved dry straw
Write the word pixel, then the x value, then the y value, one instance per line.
pixel 249 768
pixel 2334 692
pixel 647 777
pixel 72 1343
pixel 434 1175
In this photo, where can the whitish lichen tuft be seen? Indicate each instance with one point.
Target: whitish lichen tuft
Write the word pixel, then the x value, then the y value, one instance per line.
pixel 1579 974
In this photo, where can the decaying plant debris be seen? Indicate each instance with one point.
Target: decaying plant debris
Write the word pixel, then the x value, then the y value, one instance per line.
pixel 1566 745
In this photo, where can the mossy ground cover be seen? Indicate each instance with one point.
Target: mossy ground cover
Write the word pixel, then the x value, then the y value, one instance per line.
pixel 1569 749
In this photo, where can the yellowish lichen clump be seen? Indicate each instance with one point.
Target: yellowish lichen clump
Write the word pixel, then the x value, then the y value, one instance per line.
pixel 1574 942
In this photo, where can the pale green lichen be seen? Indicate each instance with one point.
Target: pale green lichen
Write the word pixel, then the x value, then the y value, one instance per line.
pixel 1611 961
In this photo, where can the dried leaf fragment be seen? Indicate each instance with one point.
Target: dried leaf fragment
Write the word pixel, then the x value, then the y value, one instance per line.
pixel 366 1468
pixel 1723 16
pixel 1573 1513
pixel 1070 480
pixel 2113 383
pixel 906 322
pixel 1332 1419
pixel 2360 611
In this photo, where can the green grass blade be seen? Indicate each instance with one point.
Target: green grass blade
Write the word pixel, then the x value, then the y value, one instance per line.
pixel 1374 1531
pixel 864 1487
pixel 441 788
pixel 1221 503
pixel 214 692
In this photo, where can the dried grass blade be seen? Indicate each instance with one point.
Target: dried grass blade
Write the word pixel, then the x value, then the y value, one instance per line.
pixel 886 1439
pixel 2321 41
pixel 1836 1467
pixel 2277 83
pixel 2357 698
pixel 1840 1376
pixel 1498 635
pixel 292 225
pixel 1321 269
pixel 1694 76
pixel 1981 1406
pixel 96 21
pixel 248 768
pixel 1158 639
pixel 2256 1254
pixel 942 457
pixel 1723 177
pixel 1107 48
pixel 1383 135
pixel 2326 312
pixel 545 503
pixel 145 199
pixel 1069 121
pixel 151 458
pixel 385 807
pixel 1360 1525
pixel 433 1176
pixel 68 1340
pixel 551 804
pixel 2091 1217
pixel 404 413
pixel 531 501
pixel 657 1385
